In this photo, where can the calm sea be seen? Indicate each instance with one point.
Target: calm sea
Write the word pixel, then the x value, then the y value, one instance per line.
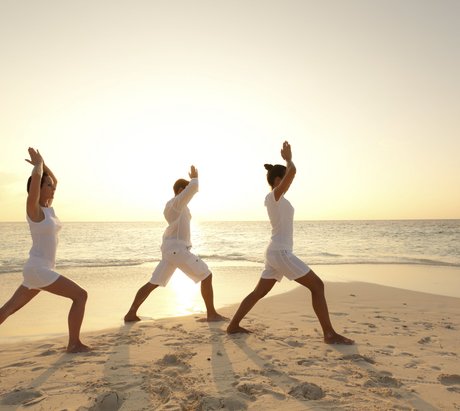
pixel 235 253
pixel 428 242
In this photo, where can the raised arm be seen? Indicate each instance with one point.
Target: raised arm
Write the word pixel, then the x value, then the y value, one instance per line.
pixel 184 197
pixel 47 170
pixel 33 198
pixel 193 172
pixel 286 181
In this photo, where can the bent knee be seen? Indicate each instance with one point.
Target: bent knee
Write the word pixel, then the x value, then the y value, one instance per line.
pixel 317 285
pixel 82 295
pixel 207 279
pixel 312 282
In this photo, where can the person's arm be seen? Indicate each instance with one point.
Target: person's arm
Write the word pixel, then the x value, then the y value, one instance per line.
pixel 34 211
pixel 286 181
pixel 184 197
pixel 47 170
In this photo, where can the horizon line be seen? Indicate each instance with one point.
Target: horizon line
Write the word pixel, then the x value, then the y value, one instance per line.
pixel 249 221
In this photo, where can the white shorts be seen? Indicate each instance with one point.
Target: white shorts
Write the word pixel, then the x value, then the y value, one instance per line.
pixel 179 256
pixel 38 277
pixel 283 263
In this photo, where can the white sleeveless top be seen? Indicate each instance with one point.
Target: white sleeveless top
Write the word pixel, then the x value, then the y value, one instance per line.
pixel 44 239
pixel 281 215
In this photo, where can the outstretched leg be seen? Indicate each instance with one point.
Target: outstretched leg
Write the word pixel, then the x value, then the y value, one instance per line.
pixel 67 288
pixel 19 299
pixel 140 297
pixel 316 286
pixel 208 296
pixel 262 288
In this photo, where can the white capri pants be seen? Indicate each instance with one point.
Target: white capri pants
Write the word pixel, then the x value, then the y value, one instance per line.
pixel 179 256
pixel 279 263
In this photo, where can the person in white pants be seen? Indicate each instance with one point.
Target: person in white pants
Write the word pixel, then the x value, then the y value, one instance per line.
pixel 39 271
pixel 175 251
pixel 279 258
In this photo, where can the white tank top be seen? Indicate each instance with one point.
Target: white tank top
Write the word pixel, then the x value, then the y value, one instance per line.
pixel 44 239
pixel 281 215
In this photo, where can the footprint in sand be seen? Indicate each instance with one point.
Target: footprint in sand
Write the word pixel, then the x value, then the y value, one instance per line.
pixel 449 379
pixel 46 353
pixel 226 403
pixel 108 401
pixel 294 343
pixel 19 396
pixel 307 391
pixel 306 363
pixel 382 380
pixel 357 358
pixel 253 390
pixel 38 368
pixel 176 360
pixel 412 364
pixel 424 340
pixel 19 364
pixel 45 346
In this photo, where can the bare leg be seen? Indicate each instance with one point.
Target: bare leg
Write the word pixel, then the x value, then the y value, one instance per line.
pixel 208 296
pixel 261 290
pixel 67 288
pixel 140 297
pixel 19 299
pixel 316 286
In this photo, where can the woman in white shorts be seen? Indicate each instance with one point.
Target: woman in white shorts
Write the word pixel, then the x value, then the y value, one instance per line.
pixel 279 259
pixel 175 251
pixel 39 269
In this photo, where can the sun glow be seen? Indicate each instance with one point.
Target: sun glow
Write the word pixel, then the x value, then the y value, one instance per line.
pixel 186 294
pixel 120 111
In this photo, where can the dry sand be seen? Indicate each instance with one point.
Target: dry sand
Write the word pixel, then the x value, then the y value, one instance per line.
pixel 406 357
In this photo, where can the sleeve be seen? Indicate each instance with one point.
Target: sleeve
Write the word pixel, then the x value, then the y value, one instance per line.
pixel 182 199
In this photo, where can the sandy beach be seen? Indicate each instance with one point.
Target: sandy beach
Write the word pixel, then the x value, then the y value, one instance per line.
pixel 406 357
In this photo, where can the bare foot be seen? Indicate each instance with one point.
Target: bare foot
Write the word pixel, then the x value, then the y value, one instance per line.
pixel 131 317
pixel 238 329
pixel 215 317
pixel 78 347
pixel 334 338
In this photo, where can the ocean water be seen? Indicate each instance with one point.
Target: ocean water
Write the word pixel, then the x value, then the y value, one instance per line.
pixel 105 244
pixel 112 260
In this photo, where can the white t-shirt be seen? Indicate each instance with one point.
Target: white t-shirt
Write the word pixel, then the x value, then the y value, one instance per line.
pixel 178 215
pixel 44 239
pixel 281 215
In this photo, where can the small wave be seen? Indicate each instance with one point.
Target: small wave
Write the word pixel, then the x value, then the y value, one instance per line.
pixel 324 254
pixel 103 263
pixel 231 258
pixel 17 268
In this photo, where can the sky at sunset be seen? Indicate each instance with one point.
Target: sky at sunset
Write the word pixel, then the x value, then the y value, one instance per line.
pixel 121 97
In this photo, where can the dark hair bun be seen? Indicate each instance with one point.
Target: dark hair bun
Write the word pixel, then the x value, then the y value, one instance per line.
pixel 268 166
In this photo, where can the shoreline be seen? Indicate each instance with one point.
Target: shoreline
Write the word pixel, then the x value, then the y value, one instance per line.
pixel 111 291
pixel 405 357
